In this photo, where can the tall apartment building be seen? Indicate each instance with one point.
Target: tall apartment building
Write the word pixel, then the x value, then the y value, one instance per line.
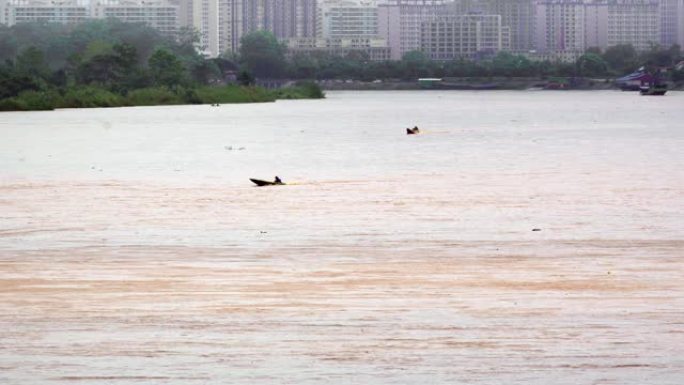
pixel 596 25
pixel 635 22
pixel 222 23
pixel 203 16
pixel 53 11
pixel 464 36
pixel 671 22
pixel 399 22
pixel 158 14
pixel 343 27
pixel 569 27
pixel 184 12
pixel 680 25
pixel 560 26
pixel 290 19
pixel 519 17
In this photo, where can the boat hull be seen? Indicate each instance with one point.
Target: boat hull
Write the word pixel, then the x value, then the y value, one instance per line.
pixel 653 91
pixel 260 182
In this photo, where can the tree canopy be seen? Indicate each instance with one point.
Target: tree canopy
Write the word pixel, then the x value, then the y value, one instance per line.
pixel 166 69
pixel 103 63
pixel 591 64
pixel 263 54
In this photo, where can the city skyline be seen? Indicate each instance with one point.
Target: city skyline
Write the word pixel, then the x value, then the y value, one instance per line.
pixel 545 29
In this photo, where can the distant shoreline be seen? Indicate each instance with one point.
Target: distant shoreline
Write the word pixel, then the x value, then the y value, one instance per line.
pixel 93 97
pixel 480 84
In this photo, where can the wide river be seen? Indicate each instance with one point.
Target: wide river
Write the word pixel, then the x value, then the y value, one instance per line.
pixel 527 237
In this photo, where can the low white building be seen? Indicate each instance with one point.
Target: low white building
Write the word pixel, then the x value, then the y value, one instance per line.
pixel 347 18
pixel 158 14
pixel 553 56
pixel 59 11
pixel 375 48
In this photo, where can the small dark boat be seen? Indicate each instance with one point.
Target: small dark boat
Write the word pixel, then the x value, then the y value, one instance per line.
pixel 412 131
pixel 260 182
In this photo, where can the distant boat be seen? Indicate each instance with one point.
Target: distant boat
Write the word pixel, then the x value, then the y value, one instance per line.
pixel 412 131
pixel 260 182
pixel 635 80
pixel 646 82
pixel 429 82
pixel 441 84
pixel 556 85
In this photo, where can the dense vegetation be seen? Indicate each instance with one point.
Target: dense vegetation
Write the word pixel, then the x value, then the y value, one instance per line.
pixel 265 55
pixel 262 53
pixel 107 63
pixel 111 63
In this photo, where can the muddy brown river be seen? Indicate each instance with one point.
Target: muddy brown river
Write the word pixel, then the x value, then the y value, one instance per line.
pixel 522 238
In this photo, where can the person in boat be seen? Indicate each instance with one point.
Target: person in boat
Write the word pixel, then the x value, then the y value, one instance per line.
pixel 277 180
pixel 411 131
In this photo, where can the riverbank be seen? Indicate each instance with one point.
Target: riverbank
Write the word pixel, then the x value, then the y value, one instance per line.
pixel 481 83
pixel 90 96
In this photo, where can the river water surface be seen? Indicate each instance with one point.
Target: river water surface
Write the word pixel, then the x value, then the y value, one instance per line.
pixel 134 249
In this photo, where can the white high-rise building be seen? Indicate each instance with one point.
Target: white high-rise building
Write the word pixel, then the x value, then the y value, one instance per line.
pixel 158 14
pixel 203 16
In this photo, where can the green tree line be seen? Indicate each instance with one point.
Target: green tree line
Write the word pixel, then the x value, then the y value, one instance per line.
pixel 111 63
pixel 262 54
